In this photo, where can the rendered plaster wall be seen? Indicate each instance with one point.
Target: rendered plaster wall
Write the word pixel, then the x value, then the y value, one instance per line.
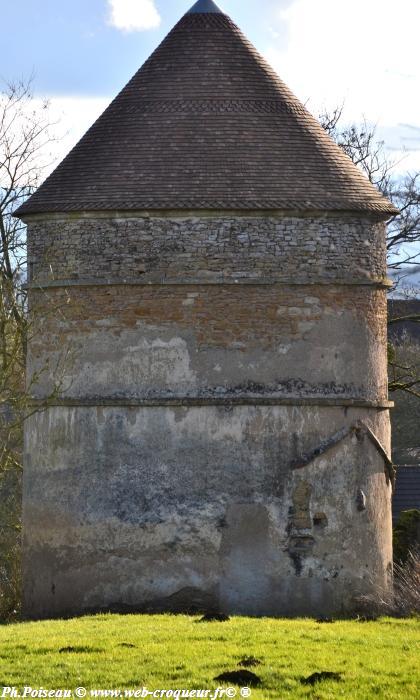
pixel 174 508
pixel 190 365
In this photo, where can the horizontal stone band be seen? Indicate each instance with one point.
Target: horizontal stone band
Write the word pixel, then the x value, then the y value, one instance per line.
pixel 144 281
pixel 245 400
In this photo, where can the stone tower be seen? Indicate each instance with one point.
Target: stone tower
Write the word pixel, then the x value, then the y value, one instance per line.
pixel 215 266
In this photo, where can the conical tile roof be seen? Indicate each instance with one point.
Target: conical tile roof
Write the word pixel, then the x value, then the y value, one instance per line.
pixel 206 124
pixel 203 6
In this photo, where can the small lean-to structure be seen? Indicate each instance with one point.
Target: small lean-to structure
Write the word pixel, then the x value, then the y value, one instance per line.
pixel 216 267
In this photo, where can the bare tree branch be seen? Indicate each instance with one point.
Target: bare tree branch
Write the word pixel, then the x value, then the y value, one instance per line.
pixel 25 137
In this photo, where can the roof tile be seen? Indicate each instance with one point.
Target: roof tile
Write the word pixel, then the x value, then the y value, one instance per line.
pixel 206 124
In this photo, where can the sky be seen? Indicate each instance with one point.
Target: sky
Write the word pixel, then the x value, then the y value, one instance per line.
pixel 363 54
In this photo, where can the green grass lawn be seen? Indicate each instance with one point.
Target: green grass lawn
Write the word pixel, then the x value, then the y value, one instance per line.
pixel 375 659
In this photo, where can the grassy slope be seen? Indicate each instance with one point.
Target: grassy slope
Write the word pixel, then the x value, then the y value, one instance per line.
pixel 377 659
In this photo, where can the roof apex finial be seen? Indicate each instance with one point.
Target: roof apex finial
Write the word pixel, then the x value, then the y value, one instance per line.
pixel 204 7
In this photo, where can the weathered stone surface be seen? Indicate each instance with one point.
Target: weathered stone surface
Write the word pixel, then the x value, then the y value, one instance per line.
pixel 214 341
pixel 301 516
pixel 207 248
pixel 320 520
pixel 151 503
pixel 166 473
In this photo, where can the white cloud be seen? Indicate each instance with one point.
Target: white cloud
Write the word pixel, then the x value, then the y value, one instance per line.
pixel 363 53
pixel 366 54
pixel 133 15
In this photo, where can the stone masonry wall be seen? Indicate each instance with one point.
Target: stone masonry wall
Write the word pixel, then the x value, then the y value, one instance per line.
pixel 218 437
pixel 212 248
pixel 214 340
pixel 189 508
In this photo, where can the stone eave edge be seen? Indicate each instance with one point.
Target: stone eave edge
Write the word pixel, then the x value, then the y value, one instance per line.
pixel 188 213
pixel 360 430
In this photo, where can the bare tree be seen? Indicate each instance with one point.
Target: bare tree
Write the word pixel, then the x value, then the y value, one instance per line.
pixel 25 140
pixel 360 143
